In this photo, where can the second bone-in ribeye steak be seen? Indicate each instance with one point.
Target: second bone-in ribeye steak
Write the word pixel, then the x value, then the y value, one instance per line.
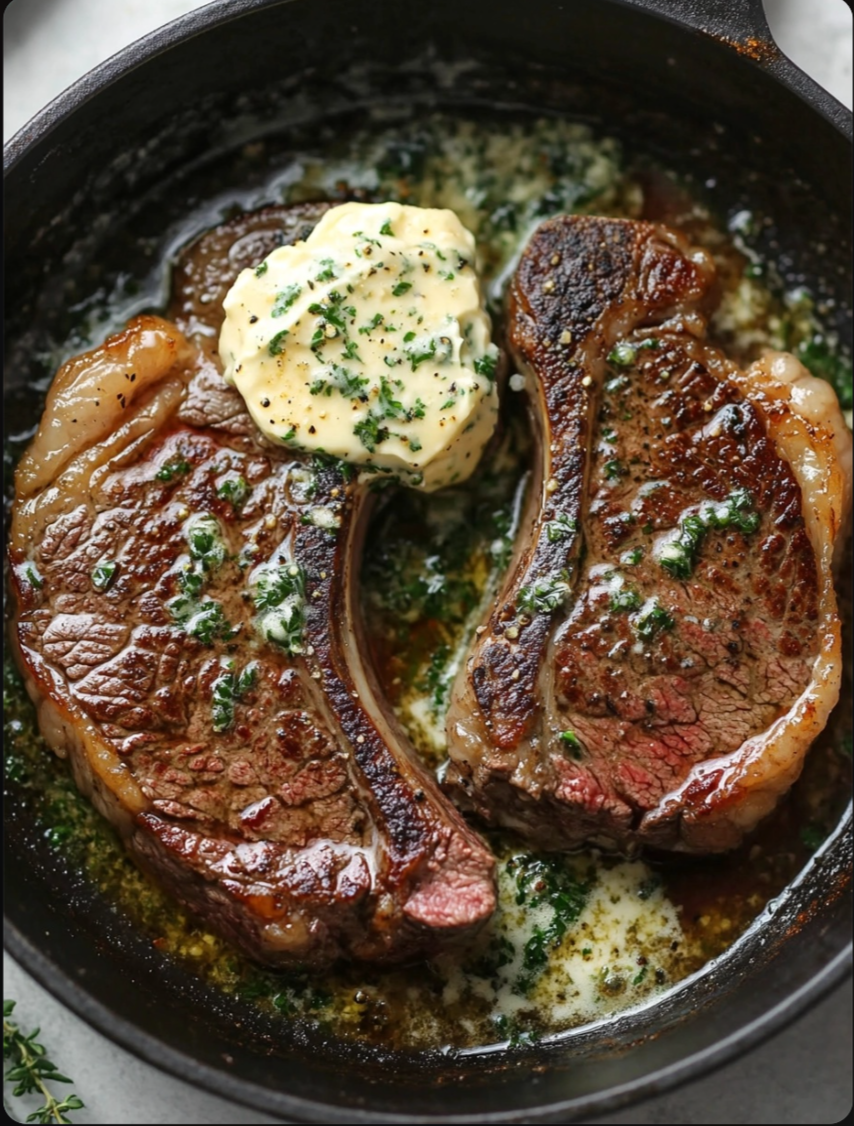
pixel 666 645
pixel 188 627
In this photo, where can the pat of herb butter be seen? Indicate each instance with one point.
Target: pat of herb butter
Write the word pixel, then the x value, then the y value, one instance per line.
pixel 369 342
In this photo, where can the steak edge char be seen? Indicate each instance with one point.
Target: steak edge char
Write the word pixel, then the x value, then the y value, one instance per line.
pixel 666 644
pixel 265 784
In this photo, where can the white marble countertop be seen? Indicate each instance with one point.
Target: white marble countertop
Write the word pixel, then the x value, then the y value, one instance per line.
pixel 802 1075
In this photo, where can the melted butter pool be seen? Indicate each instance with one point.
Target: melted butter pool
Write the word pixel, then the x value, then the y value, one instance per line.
pixel 572 940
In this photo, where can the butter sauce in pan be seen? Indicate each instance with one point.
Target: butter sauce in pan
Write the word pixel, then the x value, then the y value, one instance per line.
pixel 574 937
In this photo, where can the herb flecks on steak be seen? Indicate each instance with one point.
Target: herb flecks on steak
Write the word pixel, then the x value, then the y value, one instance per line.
pixel 670 602
pixel 188 628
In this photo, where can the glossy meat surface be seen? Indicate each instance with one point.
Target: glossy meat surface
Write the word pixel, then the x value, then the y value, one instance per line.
pixel 666 645
pixel 188 628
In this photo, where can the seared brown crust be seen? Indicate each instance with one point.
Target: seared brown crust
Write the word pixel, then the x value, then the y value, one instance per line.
pixel 626 453
pixel 304 827
pixel 578 282
pixel 204 273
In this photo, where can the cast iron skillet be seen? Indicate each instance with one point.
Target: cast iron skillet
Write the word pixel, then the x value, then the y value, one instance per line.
pixel 699 82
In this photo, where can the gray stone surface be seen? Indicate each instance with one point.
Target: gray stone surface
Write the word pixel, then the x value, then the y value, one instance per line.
pixel 803 1075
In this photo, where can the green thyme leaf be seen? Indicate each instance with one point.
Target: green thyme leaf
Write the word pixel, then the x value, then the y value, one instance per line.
pixel 102 574
pixel 285 300
pixel 651 619
pixel 234 489
pixel 32 1072
pixel 543 597
pixel 277 343
pixel 561 528
pixel 370 433
pixel 328 271
pixel 172 469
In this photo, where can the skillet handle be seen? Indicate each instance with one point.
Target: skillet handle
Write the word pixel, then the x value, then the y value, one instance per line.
pixel 742 25
pixel 740 22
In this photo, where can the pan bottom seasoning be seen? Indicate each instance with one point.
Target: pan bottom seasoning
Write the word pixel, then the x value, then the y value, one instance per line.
pixel 575 937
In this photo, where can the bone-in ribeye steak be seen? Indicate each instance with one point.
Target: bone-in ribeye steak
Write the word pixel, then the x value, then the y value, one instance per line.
pixel 263 781
pixel 666 644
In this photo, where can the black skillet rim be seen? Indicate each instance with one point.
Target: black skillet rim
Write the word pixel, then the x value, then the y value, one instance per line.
pixel 727 20
pixel 153 1051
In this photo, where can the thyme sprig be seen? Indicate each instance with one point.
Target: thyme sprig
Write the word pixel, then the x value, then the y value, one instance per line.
pixel 31 1071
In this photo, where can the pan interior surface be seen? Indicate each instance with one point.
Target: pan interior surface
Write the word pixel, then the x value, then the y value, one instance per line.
pixel 100 193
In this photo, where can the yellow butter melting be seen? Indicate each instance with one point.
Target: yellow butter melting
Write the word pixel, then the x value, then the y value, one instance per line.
pixel 369 342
